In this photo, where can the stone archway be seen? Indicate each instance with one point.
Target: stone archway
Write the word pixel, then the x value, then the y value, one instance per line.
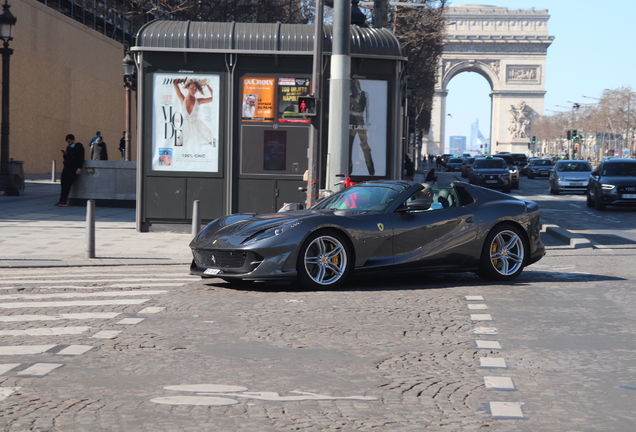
pixel 509 49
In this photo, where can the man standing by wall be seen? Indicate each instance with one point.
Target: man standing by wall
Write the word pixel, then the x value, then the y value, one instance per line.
pixel 73 163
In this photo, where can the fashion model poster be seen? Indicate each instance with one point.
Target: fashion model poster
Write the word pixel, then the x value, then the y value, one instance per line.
pixel 368 127
pixel 185 122
pixel 258 99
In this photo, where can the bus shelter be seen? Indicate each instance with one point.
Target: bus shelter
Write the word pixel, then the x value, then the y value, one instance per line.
pixel 220 122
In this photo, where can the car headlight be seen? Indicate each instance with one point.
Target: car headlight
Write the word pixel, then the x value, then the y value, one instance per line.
pixel 608 188
pixel 560 178
pixel 513 169
pixel 272 232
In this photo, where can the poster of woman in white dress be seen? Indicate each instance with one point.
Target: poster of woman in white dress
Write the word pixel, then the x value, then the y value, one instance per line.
pixel 186 120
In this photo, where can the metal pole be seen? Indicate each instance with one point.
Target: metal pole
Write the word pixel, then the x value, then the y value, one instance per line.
pixel 313 182
pixel 127 151
pixel 196 220
pixel 90 229
pixel 4 128
pixel 339 95
pixel 53 170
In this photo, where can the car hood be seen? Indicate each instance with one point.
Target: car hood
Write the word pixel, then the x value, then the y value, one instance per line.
pixel 574 175
pixel 235 229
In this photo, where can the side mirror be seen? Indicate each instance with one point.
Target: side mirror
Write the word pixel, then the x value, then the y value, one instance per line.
pixel 594 173
pixel 418 204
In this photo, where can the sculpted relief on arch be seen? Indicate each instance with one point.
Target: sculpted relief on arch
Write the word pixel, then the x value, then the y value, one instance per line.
pixel 521 117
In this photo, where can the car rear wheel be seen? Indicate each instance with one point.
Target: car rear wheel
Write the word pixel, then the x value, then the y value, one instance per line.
pixel 503 256
pixel 588 200
pixel 324 260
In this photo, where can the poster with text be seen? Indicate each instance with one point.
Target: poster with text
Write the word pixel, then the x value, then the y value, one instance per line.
pixel 257 99
pixel 185 135
pixel 289 90
pixel 368 127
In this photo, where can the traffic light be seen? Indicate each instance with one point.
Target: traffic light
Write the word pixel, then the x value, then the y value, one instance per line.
pixel 569 135
pixel 307 105
pixel 534 139
pixel 497 142
pixel 575 136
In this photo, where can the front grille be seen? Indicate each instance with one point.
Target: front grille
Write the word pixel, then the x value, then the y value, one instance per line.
pixel 220 258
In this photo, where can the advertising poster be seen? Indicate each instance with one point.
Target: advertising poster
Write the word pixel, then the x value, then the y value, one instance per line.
pixel 185 134
pixel 289 89
pixel 258 99
pixel 368 127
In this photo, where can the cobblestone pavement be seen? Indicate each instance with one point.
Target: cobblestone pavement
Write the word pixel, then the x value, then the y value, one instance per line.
pixel 385 354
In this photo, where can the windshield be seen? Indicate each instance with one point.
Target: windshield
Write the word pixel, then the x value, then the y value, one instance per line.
pixel 489 163
pixel 362 197
pixel 574 166
pixel 622 169
pixel 542 163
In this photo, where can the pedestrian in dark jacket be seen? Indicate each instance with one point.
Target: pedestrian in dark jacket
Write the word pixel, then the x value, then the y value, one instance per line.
pixel 73 163
pixel 98 150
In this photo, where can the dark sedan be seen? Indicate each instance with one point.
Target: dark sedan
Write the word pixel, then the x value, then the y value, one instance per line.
pixel 491 172
pixel 612 183
pixel 454 164
pixel 540 168
pixel 383 226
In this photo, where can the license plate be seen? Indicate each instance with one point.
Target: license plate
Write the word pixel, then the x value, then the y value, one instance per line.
pixel 629 196
pixel 212 271
pixel 491 181
pixel 576 184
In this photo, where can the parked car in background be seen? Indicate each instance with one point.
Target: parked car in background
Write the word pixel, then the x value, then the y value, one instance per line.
pixel 466 166
pixel 455 164
pixel 540 168
pixel 612 183
pixel 491 172
pixel 514 170
pixel 569 176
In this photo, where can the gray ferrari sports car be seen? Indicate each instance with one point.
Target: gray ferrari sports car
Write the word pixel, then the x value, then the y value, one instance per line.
pixel 385 226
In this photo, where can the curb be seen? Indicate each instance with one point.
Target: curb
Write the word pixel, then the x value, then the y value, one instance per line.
pixel 577 241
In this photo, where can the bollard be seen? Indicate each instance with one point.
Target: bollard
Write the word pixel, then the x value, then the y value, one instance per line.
pixel 196 223
pixel 53 171
pixel 90 229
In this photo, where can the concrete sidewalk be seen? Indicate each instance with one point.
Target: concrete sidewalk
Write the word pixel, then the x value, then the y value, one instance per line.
pixel 36 233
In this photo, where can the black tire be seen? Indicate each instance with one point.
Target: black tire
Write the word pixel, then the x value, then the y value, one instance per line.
pixel 530 176
pixel 588 200
pixel 552 191
pixel 515 185
pixel 504 254
pixel 324 260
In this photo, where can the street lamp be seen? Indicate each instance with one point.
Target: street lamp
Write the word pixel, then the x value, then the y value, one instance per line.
pixel 129 79
pixel 7 22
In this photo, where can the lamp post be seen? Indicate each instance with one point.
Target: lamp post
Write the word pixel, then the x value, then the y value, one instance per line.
pixel 129 77
pixel 7 22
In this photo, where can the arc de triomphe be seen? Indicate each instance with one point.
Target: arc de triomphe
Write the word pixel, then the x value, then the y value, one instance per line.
pixel 508 48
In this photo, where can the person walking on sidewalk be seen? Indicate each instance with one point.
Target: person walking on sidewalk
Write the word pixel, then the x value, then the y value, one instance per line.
pixel 73 163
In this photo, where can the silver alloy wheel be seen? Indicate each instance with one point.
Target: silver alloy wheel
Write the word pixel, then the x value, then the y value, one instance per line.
pixel 507 252
pixel 325 260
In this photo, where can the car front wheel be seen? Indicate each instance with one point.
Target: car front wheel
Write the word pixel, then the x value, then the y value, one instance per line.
pixel 324 261
pixel 503 256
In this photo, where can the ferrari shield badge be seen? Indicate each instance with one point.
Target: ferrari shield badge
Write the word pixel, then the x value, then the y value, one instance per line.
pixel 381 227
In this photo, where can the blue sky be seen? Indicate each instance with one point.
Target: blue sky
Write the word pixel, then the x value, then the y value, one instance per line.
pixel 594 48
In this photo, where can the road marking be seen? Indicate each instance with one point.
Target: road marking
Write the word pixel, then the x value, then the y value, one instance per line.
pixel 474 298
pixel 75 350
pixel 106 334
pixel 72 303
pixel 5 392
pixel 486 330
pixel 499 383
pixel 482 344
pixel 25 349
pixel 75 295
pixel 40 369
pixel 480 317
pixel 477 306
pixel 4 368
pixel 45 331
pixel 492 362
pixel 151 310
pixel 506 409
pixel 146 285
pixel 71 316
pixel 130 321
pixel 194 400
